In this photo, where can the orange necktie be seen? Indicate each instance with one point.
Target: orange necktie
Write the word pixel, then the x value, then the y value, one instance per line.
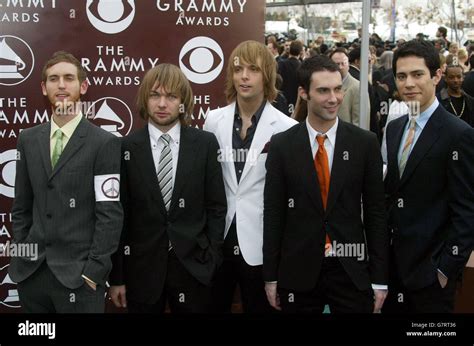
pixel 321 163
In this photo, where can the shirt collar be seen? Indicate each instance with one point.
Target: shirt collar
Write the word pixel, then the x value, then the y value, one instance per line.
pixel 424 116
pixel 331 133
pixel 257 114
pixel 69 128
pixel 155 132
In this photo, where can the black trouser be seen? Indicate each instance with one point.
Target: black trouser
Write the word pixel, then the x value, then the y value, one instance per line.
pixel 334 287
pixel 235 271
pixel 43 293
pixel 429 299
pixel 184 293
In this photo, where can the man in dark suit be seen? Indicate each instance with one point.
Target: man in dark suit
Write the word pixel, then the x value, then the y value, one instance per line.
pixel 66 200
pixel 429 189
pixel 317 174
pixel 287 70
pixel 174 204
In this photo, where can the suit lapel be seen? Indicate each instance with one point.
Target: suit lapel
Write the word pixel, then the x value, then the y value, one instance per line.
pixel 76 141
pixel 146 165
pixel 427 138
pixel 44 146
pixel 262 136
pixel 339 165
pixel 305 162
pixel 187 147
pixel 226 128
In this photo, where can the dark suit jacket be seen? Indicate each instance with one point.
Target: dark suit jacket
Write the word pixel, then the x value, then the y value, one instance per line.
pixel 293 248
pixel 195 222
pixel 287 69
pixel 431 208
pixel 56 209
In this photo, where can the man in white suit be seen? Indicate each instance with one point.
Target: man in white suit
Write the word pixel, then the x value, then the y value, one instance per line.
pixel 244 129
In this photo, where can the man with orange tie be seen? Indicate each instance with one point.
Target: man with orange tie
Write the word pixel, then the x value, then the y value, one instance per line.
pixel 316 248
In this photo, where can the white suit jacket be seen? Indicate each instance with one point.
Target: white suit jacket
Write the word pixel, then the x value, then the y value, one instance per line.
pixel 245 199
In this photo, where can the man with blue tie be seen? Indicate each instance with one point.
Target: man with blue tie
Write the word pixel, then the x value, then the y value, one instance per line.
pixel 429 190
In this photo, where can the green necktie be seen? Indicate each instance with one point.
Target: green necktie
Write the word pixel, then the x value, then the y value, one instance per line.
pixel 58 147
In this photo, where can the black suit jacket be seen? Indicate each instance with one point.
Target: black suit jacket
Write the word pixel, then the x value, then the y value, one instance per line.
pixel 294 219
pixel 195 222
pixel 431 208
pixel 287 69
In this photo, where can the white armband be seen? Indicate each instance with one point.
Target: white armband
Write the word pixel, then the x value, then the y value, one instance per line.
pixel 107 187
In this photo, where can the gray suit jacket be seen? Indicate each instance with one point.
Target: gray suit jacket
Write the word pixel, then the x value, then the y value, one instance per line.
pixel 349 110
pixel 57 209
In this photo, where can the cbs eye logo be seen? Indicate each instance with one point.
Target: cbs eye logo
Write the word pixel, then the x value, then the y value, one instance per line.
pixel 204 57
pixel 7 173
pixel 110 16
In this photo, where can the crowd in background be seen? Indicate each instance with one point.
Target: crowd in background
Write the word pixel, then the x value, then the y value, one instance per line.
pixel 385 105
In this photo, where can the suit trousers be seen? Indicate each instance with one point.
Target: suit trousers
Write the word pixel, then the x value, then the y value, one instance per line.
pixel 334 287
pixel 43 293
pixel 430 299
pixel 235 271
pixel 184 293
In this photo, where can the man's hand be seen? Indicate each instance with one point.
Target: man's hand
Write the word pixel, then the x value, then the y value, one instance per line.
pixel 443 280
pixel 379 296
pixel 117 294
pixel 272 295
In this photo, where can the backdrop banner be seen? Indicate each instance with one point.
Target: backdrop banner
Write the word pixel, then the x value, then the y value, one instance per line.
pixel 116 41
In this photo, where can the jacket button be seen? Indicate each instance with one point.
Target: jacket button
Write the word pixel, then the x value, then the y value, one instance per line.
pixel 50 186
pixel 49 216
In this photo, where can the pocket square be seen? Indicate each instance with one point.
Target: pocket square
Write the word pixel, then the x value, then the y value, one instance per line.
pixel 265 148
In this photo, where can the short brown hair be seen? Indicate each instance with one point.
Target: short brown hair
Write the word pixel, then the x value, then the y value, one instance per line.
pixel 63 56
pixel 173 80
pixel 252 52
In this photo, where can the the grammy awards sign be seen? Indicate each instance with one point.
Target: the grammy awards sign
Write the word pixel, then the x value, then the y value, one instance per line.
pixel 116 41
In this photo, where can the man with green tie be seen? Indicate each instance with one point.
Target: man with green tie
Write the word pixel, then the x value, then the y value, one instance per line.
pixel 66 200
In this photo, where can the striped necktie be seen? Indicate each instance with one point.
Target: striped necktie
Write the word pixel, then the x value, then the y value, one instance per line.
pixel 407 146
pixel 165 171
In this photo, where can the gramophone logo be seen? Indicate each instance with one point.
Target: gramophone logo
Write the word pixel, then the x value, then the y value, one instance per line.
pixel 7 173
pixel 110 16
pixel 8 291
pixel 112 115
pixel 16 60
